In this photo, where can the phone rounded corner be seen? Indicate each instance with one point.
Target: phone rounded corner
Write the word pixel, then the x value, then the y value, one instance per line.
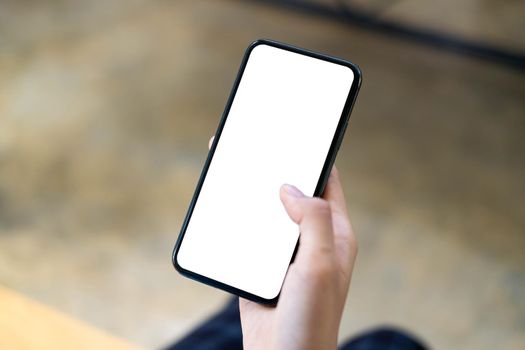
pixel 355 69
pixel 358 73
pixel 175 261
pixel 256 43
pixel 268 299
pixel 259 42
pixel 272 301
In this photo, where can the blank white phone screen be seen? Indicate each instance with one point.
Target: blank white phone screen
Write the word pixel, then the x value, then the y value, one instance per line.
pixel 279 129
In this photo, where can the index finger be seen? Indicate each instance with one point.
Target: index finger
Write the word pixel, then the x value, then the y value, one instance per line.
pixel 334 194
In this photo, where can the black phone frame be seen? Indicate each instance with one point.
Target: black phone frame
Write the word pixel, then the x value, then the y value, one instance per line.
pixel 325 172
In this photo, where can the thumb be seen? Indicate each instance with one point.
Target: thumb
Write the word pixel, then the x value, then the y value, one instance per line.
pixel 313 215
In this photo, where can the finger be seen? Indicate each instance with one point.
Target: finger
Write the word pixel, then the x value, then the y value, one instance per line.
pixel 211 142
pixel 314 218
pixel 334 194
pixel 344 237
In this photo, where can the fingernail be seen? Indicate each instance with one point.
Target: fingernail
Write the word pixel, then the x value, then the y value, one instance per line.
pixel 292 191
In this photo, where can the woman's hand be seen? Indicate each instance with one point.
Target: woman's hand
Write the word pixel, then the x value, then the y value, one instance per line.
pixel 313 296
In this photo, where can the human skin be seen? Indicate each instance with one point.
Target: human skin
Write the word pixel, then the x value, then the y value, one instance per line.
pixel 308 313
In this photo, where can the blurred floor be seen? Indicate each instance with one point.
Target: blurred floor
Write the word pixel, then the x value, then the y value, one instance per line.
pixel 106 108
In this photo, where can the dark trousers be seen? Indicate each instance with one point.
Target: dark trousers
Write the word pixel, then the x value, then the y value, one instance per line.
pixel 223 332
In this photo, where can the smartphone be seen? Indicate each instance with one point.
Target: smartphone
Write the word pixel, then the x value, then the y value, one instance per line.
pixel 283 123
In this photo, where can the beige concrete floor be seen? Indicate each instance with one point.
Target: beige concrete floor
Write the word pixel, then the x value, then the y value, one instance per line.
pixel 105 112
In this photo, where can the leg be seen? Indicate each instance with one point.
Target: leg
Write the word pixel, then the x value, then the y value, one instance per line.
pixel 222 331
pixel 384 338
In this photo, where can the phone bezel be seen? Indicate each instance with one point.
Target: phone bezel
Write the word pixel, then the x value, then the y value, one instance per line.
pixel 325 172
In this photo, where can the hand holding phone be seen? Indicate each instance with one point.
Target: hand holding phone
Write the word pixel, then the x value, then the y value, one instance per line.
pixel 314 292
pixel 320 276
pixel 283 123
